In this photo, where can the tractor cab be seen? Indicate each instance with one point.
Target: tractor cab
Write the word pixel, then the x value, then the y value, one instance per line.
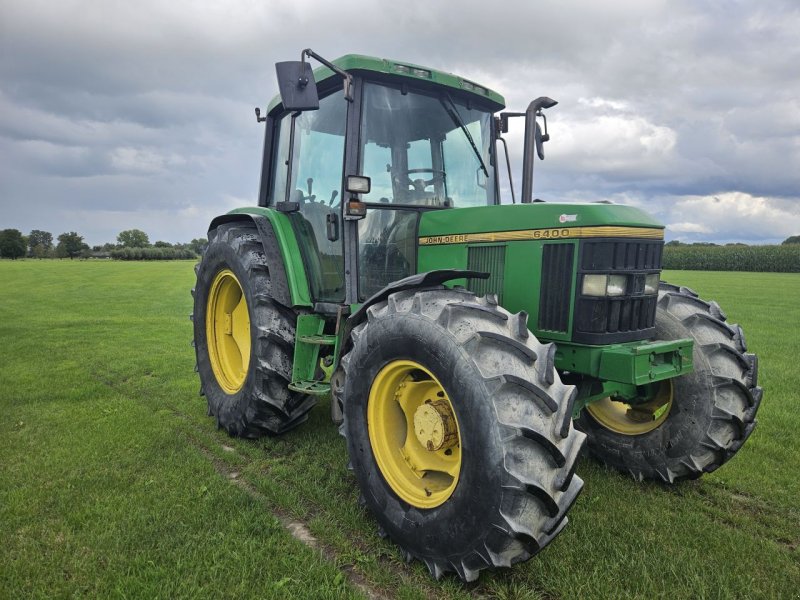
pixel 409 142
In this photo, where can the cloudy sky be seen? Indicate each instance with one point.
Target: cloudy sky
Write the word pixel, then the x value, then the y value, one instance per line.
pixel 119 114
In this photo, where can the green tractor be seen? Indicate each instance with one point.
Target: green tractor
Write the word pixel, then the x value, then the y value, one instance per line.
pixel 468 347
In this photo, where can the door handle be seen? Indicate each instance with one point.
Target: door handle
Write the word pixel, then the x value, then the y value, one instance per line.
pixel 332 226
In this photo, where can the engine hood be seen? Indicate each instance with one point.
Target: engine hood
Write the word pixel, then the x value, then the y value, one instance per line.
pixel 536 221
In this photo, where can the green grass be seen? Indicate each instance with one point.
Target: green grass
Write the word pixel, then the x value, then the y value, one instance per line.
pixel 113 482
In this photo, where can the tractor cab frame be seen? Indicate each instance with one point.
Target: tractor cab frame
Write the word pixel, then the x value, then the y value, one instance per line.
pixel 355 171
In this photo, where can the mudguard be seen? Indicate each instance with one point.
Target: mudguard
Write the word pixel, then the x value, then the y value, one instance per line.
pixel 420 280
pixel 281 251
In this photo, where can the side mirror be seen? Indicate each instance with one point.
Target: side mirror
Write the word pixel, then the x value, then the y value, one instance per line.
pixel 297 86
pixel 539 142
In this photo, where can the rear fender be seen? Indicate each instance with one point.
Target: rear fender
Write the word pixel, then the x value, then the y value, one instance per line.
pixel 287 273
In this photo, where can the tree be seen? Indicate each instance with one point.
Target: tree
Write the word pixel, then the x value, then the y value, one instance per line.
pixel 198 245
pixel 133 238
pixel 70 244
pixel 39 251
pixel 40 243
pixel 12 244
pixel 160 244
pixel 793 239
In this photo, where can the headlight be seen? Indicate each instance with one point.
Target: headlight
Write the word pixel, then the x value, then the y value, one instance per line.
pixel 594 285
pixel 617 285
pixel 651 284
pixel 605 285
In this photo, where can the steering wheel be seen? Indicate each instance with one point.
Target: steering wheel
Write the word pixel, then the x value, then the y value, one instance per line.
pixel 421 184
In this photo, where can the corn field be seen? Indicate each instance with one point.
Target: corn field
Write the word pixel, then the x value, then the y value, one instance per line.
pixel 774 259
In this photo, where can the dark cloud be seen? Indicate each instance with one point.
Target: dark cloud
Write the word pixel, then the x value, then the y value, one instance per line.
pixel 120 114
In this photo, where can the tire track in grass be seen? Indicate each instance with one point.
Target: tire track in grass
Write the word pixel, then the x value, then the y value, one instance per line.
pixel 724 505
pixel 298 529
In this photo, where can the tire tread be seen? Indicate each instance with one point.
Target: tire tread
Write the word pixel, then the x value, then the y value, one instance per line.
pixel 270 407
pixel 732 379
pixel 533 415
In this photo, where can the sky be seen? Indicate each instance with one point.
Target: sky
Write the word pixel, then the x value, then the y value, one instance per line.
pixel 119 115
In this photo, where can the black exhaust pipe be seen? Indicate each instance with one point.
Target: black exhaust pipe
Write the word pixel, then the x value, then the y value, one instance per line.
pixel 533 141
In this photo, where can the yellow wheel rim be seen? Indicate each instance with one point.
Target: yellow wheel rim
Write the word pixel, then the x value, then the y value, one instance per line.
pixel 414 434
pixel 628 419
pixel 228 331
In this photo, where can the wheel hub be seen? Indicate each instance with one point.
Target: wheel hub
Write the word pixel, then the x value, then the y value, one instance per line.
pixel 228 331
pixel 638 419
pixel 414 434
pixel 435 425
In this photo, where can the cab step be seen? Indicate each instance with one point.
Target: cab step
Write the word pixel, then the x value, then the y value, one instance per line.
pixel 318 339
pixel 312 388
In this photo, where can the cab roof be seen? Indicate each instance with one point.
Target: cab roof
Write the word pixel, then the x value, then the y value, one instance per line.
pixel 384 66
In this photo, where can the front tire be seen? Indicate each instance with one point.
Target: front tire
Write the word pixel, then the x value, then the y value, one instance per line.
pixel 244 338
pixel 459 431
pixel 708 414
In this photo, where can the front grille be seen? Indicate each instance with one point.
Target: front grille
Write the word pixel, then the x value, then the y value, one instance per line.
pixel 614 315
pixel 606 320
pixel 487 259
pixel 556 288
pixel 621 255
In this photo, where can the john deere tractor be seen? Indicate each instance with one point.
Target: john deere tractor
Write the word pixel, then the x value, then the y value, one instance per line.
pixel 469 347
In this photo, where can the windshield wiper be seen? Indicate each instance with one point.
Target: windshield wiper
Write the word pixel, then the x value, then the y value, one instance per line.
pixel 452 111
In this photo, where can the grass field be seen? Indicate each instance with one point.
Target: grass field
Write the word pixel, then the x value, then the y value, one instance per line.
pixel 114 483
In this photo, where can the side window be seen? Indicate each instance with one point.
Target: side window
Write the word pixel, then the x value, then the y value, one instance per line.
pixel 316 181
pixel 377 160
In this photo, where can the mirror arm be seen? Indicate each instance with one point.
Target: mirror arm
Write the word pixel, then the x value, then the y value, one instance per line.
pixel 348 79
pixel 505 116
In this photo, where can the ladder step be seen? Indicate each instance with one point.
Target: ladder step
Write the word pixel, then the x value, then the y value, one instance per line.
pixel 319 340
pixel 313 388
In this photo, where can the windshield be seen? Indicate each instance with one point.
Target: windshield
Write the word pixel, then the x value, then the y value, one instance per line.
pixel 425 150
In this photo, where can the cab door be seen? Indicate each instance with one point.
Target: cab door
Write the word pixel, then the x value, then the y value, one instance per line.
pixel 307 170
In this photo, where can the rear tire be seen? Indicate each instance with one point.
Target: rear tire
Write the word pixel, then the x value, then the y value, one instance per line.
pixel 246 392
pixel 713 408
pixel 511 447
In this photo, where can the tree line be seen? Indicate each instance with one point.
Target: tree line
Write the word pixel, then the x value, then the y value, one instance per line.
pixel 132 244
